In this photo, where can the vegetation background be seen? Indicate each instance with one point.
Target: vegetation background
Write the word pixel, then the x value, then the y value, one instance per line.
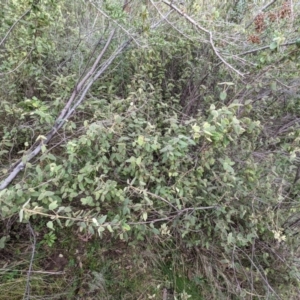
pixel 149 149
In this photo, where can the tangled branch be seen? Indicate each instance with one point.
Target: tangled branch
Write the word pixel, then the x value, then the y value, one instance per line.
pixel 209 33
pixel 80 91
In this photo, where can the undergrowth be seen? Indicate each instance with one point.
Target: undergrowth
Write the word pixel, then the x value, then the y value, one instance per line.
pixel 176 177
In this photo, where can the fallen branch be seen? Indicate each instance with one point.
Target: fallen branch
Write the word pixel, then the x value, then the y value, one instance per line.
pixel 81 90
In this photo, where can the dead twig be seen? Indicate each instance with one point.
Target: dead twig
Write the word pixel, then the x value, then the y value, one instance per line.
pixel 209 33
pixel 80 90
pixel 261 10
pixel 33 241
pixel 12 27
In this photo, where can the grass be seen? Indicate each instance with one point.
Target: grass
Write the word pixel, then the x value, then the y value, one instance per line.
pixel 94 269
pixel 111 269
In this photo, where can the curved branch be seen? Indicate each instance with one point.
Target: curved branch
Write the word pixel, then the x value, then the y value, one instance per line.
pixel 262 9
pixel 211 38
pixel 12 27
pixel 18 66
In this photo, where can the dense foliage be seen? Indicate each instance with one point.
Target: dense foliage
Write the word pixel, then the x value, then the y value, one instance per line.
pixel 190 137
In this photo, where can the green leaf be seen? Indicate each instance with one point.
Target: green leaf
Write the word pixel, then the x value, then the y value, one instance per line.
pixel 126 227
pixel 145 216
pixel 223 95
pixel 139 160
pixel 101 229
pixel 80 177
pixel 2 242
pixel 273 45
pixel 43 148
pixel 87 201
pixel 53 205
pixel 141 140
pixel 132 159
pixel 45 194
pixel 50 225
pixel 109 228
pixel 102 220
pixel 168 148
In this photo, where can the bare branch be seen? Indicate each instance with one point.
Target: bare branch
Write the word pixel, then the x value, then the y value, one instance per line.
pixel 115 22
pixel 12 27
pixel 165 18
pixel 66 112
pixel 265 47
pixel 154 195
pixel 211 39
pixel 260 272
pixel 33 240
pixel 79 87
pixel 262 9
pixel 18 66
